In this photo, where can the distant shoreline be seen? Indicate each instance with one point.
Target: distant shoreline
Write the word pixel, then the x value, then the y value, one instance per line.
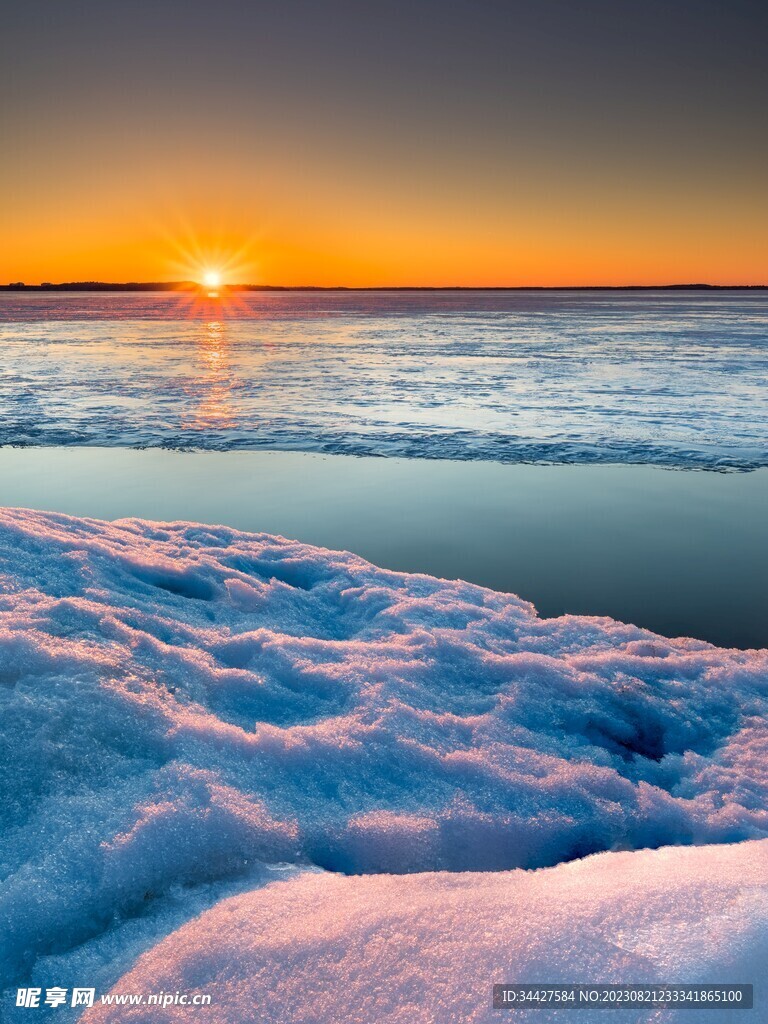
pixel 188 286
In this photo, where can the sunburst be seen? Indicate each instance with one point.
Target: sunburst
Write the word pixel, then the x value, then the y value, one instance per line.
pixel 210 268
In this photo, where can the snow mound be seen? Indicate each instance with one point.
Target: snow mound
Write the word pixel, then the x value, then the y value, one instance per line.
pixel 429 947
pixel 184 704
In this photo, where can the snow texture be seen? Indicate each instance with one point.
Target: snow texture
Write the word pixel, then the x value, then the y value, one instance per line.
pixel 670 378
pixel 427 948
pixel 186 708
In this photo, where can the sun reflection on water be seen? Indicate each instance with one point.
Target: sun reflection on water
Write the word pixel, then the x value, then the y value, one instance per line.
pixel 214 385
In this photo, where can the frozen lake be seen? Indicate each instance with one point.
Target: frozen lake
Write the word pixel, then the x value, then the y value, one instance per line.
pixel 667 378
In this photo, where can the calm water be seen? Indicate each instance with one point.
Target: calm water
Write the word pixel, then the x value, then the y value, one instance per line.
pixel 682 553
pixel 667 378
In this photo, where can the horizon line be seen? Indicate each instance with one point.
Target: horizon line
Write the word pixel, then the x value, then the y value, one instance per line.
pixel 129 286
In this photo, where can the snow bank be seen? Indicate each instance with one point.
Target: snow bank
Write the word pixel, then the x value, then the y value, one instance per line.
pixel 184 704
pixel 427 948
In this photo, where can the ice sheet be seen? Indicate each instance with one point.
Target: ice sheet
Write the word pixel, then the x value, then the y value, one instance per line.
pixel 669 378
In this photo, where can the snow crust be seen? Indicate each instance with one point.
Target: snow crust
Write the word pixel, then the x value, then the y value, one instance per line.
pixel 669 378
pixel 186 707
pixel 427 948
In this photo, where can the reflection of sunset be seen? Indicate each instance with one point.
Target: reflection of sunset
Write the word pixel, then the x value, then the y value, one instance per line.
pixel 212 344
pixel 215 381
pixel 211 304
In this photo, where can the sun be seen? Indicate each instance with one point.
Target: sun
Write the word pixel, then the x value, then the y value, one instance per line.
pixel 212 262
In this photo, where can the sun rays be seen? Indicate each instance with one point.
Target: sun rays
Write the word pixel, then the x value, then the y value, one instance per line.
pixel 209 267
pixel 211 260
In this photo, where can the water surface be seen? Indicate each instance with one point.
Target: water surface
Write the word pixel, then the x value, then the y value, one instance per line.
pixel 682 553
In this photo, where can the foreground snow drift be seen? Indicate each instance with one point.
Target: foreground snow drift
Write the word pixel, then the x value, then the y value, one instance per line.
pixel 183 705
pixel 427 948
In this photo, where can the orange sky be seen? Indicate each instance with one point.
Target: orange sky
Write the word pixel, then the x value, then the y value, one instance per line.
pixel 389 237
pixel 540 145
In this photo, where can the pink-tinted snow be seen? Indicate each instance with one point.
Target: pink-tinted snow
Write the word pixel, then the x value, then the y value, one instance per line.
pixel 427 948
pixel 185 707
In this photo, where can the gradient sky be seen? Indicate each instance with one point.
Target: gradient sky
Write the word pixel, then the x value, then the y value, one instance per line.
pixel 422 142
